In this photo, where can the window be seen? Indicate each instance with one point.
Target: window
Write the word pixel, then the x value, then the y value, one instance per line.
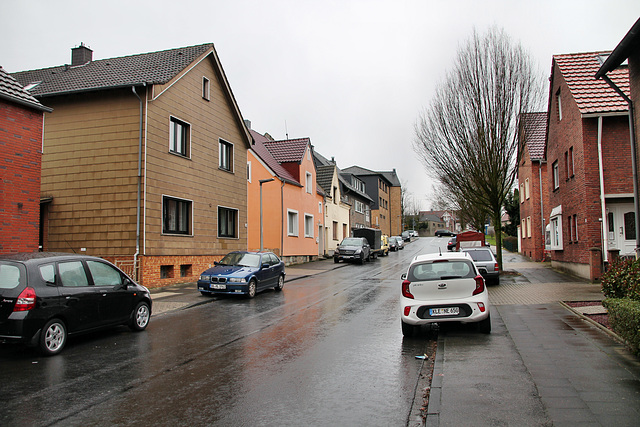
pixel 559 101
pixel 570 225
pixel 345 233
pixel 526 188
pixel 575 226
pixel 103 274
pixel 176 216
pixel 319 207
pixel 521 192
pixel 227 222
pixel 72 274
pixel 205 88
pixel 554 229
pixel 610 225
pixel 570 163
pixel 249 171
pixel 292 223
pixel 309 182
pixel 529 226
pixel 359 206
pixel 566 164
pixel 308 225
pixel 335 230
pixel 523 227
pixel 185 270
pixel 179 137
pixel 556 175
pixel 630 226
pixel 226 155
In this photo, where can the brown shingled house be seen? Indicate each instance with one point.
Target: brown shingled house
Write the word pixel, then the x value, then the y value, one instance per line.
pixel 144 160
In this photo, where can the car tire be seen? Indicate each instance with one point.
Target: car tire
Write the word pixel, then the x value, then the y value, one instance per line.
pixel 53 337
pixel 362 260
pixel 140 317
pixel 280 284
pixel 484 326
pixel 336 260
pixel 251 292
pixel 407 329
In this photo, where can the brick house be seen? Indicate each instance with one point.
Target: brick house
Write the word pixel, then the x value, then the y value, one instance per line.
pixel 293 224
pixel 21 125
pixel 533 185
pixel 144 160
pixel 433 222
pixel 628 50
pixel 589 166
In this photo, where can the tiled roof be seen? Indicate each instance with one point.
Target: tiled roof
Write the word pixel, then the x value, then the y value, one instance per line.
pixel 324 177
pixel 591 95
pixel 289 150
pixel 13 91
pixel 149 68
pixel 535 131
pixel 266 157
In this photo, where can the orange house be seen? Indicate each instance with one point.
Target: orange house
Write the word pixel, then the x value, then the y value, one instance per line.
pixel 292 212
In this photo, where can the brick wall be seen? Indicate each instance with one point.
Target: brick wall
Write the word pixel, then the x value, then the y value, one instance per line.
pixel 20 163
pixel 533 245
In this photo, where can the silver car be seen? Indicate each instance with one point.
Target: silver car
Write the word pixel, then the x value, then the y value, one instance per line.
pixel 486 263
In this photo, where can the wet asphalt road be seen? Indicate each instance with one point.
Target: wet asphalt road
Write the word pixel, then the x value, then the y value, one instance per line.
pixel 328 350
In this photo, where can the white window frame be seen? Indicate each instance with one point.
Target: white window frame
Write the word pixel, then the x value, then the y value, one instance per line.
pixel 526 188
pixel 554 229
pixel 223 145
pixel 556 175
pixel 249 171
pixel 320 207
pixel 559 100
pixel 173 143
pixel 522 192
pixel 206 88
pixel 292 226
pixel 529 226
pixel 523 227
pixel 308 225
pixel 308 182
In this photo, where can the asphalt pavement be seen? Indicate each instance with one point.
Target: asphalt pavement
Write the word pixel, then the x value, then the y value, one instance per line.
pixel 543 364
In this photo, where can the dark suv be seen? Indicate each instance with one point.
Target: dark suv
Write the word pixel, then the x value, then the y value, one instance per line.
pixel 353 249
pixel 44 297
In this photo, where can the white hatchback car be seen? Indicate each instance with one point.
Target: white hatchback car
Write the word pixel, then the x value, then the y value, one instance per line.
pixel 444 288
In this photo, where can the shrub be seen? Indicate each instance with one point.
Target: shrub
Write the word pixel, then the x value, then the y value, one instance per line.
pixel 622 280
pixel 624 316
pixel 510 243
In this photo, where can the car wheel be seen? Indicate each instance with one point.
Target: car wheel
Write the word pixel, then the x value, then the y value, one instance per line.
pixel 252 288
pixel 362 260
pixel 484 326
pixel 140 317
pixel 280 284
pixel 53 337
pixel 407 329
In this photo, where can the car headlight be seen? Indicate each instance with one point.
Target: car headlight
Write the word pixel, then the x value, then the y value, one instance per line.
pixel 205 278
pixel 337 250
pixel 358 251
pixel 236 280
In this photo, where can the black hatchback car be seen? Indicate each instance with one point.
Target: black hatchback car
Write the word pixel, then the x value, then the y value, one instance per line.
pixel 45 297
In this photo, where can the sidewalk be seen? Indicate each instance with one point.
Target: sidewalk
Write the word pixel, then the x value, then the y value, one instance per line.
pixel 186 295
pixel 541 365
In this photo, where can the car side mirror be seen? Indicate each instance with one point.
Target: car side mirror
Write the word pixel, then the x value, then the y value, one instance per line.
pixel 265 265
pixel 404 276
pixel 216 263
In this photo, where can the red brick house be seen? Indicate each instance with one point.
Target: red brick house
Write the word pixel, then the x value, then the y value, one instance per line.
pixel 627 53
pixel 534 192
pixel 589 167
pixel 21 126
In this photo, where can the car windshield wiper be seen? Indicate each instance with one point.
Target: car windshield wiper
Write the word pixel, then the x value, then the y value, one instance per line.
pixel 449 277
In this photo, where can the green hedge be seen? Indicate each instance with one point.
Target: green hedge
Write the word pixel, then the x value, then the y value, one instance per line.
pixel 624 316
pixel 622 280
pixel 510 243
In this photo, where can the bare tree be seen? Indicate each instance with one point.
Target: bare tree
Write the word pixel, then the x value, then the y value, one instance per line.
pixel 468 137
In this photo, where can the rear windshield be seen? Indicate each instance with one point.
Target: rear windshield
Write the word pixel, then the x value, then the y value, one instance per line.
pixel 480 255
pixel 453 269
pixel 11 275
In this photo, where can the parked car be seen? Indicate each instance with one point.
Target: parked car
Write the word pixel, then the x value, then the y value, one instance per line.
pixel 393 244
pixel 46 297
pixel 486 263
pixel 399 242
pixel 243 273
pixel 451 245
pixel 413 233
pixel 406 236
pixel 443 288
pixel 440 233
pixel 353 249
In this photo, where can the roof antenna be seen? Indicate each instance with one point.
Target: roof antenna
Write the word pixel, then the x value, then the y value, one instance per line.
pixel 286 131
pixel 440 250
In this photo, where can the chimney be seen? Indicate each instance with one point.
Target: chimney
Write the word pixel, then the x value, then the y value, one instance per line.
pixel 81 55
pixel 247 123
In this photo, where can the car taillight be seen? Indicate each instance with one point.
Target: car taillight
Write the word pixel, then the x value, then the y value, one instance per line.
pixel 405 289
pixel 479 285
pixel 496 268
pixel 26 300
pixel 407 310
pixel 481 307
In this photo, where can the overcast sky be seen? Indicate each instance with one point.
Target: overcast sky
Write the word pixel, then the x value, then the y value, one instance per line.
pixel 351 75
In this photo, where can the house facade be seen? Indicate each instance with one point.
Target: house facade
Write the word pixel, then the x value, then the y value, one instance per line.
pixel 354 193
pixel 21 126
pixel 533 185
pixel 292 206
pixel 144 161
pixel 378 188
pixel 591 218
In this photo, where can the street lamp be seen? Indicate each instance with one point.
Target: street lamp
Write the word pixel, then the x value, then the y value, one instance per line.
pixel 262 181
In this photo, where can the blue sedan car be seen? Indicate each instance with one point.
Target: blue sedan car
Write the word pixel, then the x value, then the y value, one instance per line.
pixel 243 273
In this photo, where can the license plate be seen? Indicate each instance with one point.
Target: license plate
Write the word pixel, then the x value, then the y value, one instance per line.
pixel 445 311
pixel 218 286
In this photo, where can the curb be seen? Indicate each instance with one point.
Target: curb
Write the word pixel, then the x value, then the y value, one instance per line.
pixel 593 322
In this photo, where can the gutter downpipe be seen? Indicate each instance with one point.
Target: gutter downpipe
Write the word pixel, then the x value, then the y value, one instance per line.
pixel 542 225
pixel 282 219
pixel 135 255
pixel 634 164
pixel 605 243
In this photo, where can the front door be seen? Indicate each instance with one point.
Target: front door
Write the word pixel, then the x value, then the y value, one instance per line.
pixel 621 228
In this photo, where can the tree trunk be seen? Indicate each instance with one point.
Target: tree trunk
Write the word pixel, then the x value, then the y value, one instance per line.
pixel 497 227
